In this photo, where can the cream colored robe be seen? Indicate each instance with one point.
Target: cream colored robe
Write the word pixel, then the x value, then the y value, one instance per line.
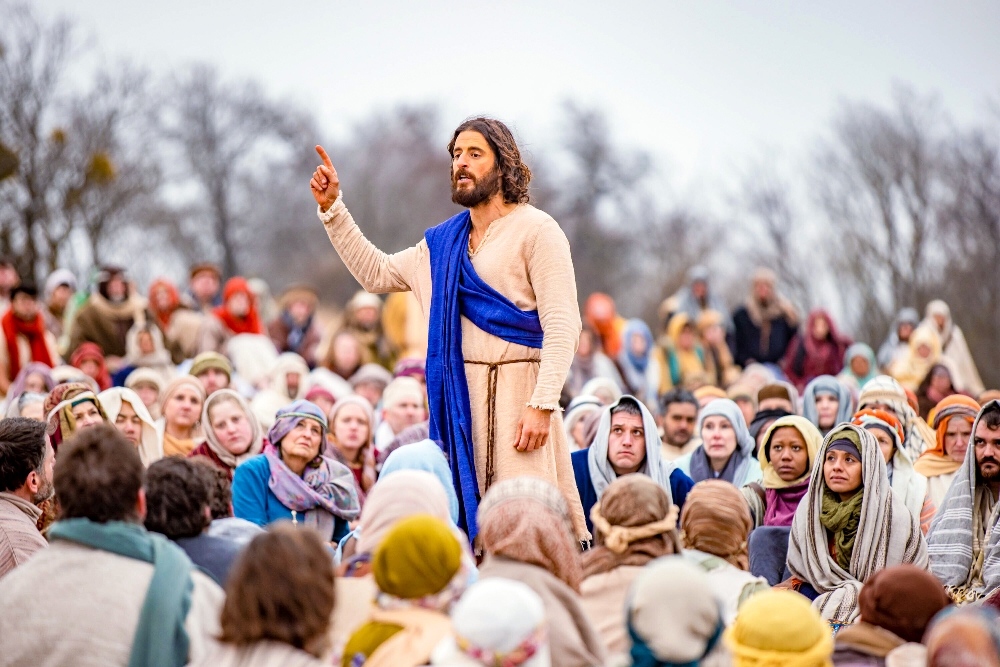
pixel 526 257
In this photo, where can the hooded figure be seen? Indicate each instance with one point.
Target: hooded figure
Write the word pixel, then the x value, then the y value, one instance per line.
pixel 830 386
pixel 883 391
pixel 150 445
pixel 896 345
pixel 871 530
pixel 696 298
pixel 923 353
pixel 941 463
pixel 741 467
pixel 213 448
pixel 954 348
pixel 765 324
pixel 237 315
pixel 685 358
pixel 145 348
pixel 594 472
pixel 638 364
pixel 859 367
pixel 600 313
pixel 282 389
pixel 817 350
pixel 112 309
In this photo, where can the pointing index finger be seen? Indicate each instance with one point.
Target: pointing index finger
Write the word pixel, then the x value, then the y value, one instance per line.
pixel 326 158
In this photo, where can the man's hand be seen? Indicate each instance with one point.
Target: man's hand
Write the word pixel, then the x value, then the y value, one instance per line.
pixel 325 184
pixel 533 430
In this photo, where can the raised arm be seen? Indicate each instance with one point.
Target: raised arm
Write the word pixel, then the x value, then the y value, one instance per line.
pixel 377 271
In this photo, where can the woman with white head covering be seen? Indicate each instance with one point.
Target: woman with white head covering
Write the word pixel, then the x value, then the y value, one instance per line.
pixel 232 433
pixel 606 390
pixel 129 415
pixel 496 622
pixel 726 451
pixel 954 348
pixel 573 423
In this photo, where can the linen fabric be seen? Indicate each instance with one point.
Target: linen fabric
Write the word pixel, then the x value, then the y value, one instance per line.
pixel 674 593
pixel 888 534
pixel 526 519
pixel 395 497
pixel 160 637
pixel 425 455
pixel 634 523
pixel 717 521
pixel 885 390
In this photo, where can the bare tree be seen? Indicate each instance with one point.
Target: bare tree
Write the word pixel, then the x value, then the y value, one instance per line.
pixel 221 135
pixel 879 183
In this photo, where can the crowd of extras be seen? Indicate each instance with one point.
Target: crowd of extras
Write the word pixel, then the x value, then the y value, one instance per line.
pixel 211 474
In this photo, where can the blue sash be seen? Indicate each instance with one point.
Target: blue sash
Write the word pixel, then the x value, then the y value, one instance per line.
pixel 457 290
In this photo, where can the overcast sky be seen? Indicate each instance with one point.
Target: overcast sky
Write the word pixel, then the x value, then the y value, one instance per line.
pixel 705 86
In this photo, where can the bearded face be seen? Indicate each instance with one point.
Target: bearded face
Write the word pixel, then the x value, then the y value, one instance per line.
pixel 470 191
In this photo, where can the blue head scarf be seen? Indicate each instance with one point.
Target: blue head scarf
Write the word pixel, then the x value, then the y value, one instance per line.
pixel 290 416
pixel 632 327
pixel 424 455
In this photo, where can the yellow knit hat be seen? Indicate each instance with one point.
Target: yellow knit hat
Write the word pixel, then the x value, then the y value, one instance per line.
pixel 418 557
pixel 779 629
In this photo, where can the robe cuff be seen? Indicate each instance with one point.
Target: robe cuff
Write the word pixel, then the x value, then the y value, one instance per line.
pixel 330 213
pixel 546 406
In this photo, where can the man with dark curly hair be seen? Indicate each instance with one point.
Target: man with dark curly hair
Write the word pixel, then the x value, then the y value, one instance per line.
pixel 497 286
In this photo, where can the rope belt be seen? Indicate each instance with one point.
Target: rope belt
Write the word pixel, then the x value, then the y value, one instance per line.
pixel 492 373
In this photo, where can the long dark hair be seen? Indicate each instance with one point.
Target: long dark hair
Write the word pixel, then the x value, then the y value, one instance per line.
pixel 514 174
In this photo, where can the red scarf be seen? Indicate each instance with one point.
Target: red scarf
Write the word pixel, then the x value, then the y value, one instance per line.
pixel 94 353
pixel 34 331
pixel 249 323
pixel 163 316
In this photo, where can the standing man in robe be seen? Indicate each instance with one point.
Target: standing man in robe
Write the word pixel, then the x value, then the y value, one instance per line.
pixel 498 288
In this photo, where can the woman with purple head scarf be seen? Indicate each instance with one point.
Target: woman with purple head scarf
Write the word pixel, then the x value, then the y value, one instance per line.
pixel 293 481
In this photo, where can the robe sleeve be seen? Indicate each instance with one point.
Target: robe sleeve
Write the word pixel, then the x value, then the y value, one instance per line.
pixel 553 280
pixel 378 272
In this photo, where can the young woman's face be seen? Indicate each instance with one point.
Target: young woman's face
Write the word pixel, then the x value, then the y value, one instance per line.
pixel 90 368
pixel 148 393
pixel 128 423
pixel 820 328
pixel 886 444
pixel 826 410
pixel 788 454
pixel 350 430
pixel 941 380
pixel 719 437
pixel 183 407
pixel 860 366
pixel 842 473
pixel 146 345
pixel 231 426
pixel 637 344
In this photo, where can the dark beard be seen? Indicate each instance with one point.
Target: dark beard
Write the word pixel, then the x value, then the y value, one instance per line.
pixel 481 191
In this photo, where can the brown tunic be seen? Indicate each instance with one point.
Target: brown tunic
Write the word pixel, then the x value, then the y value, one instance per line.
pixel 526 257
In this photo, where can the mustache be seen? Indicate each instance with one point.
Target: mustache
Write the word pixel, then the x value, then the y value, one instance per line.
pixel 462 172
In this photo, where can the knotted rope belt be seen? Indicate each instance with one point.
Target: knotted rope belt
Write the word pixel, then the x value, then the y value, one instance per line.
pixel 492 374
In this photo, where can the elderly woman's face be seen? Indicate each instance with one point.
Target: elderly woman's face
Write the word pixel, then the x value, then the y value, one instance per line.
pixel 303 441
pixel 86 414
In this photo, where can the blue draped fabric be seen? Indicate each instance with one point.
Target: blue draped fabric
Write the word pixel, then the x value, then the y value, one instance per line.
pixel 457 290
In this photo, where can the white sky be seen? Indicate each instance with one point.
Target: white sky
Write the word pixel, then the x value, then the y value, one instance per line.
pixel 705 86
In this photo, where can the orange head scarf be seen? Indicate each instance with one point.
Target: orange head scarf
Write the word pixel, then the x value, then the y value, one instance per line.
pixel 163 316
pixel 600 313
pixel 249 323
pixel 935 461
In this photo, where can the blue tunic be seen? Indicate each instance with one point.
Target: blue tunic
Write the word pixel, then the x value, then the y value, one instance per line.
pixel 254 501
pixel 680 484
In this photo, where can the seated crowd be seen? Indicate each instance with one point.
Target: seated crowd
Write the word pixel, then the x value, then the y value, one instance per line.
pixel 215 478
